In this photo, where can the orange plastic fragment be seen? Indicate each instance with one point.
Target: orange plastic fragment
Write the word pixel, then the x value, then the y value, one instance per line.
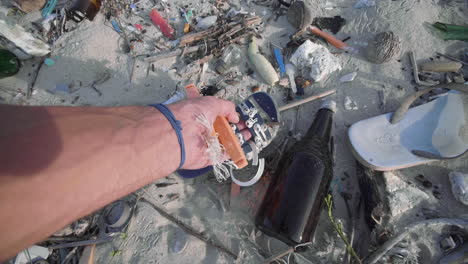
pixel 230 142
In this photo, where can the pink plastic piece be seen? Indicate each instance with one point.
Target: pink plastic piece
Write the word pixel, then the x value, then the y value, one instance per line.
pixel 138 26
pixel 165 28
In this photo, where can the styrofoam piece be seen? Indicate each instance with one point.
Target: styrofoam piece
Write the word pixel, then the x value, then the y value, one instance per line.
pixel 432 127
pixel 24 40
pixel 316 58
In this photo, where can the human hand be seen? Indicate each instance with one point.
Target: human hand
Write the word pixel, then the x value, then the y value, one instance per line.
pixel 194 132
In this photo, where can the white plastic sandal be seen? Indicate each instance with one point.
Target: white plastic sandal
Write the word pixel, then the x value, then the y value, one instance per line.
pixel 432 131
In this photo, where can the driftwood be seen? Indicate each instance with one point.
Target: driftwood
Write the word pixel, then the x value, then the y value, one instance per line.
pixel 217 33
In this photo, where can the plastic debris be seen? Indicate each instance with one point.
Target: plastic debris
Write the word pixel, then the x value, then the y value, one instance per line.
pixel 348 77
pixel 317 58
pixel 261 64
pixel 299 14
pixel 116 26
pixel 207 22
pixel 24 40
pixel 457 256
pixel 232 55
pixel 451 32
pixel 63 87
pixel 383 48
pixel 349 104
pixel 364 3
pixel 459 183
pixel 291 71
pixel 49 62
pixel 279 61
pixel 450 66
pixel 163 25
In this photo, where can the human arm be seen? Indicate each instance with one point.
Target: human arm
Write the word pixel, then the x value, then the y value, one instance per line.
pixel 58 164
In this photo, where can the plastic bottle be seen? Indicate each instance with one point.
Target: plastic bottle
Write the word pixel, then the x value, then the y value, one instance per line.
pixel 231 56
pixel 165 28
pixel 291 207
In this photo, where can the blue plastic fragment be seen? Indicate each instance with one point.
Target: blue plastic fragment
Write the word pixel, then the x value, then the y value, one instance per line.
pixel 63 87
pixel 116 26
pixel 48 8
pixel 279 60
pixel 49 62
pixel 133 6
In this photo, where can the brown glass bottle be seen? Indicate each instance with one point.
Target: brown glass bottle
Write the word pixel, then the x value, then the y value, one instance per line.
pixel 292 204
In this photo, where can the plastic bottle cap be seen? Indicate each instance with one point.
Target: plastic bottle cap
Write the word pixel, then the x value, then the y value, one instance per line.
pixel 329 104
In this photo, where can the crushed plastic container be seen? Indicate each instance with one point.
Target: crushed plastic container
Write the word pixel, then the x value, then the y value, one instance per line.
pixel 459 183
pixel 163 25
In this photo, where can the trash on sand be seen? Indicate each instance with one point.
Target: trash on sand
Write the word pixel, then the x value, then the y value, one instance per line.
pixel 261 64
pixel 207 22
pixel 332 40
pixel 85 8
pixel 163 25
pixel 232 55
pixel 301 84
pixel 348 77
pixel 384 47
pixel 116 27
pixel 48 8
pixel 364 3
pixel 416 72
pixel 349 104
pixel 451 32
pixel 186 28
pixel 279 60
pixel 291 72
pixel 310 157
pixel 24 40
pixel 9 63
pixel 317 58
pixel 299 14
pixel 450 66
pixel 32 253
pixel 49 62
pixel 451 58
pixel 63 87
pixel 459 183
pixel 334 24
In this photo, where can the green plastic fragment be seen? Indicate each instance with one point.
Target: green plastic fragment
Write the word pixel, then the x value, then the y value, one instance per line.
pixel 451 32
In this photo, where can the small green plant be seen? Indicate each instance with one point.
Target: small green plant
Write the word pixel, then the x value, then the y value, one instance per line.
pixel 339 228
pixel 116 252
pixel 123 235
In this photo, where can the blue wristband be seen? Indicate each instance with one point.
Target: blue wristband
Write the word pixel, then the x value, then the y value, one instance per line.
pixel 177 128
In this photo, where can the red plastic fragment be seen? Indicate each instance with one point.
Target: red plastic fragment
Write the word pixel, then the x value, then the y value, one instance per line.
pixel 165 28
pixel 138 26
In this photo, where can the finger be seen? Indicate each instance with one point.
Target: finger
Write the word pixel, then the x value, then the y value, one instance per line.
pixel 246 134
pixel 241 125
pixel 228 109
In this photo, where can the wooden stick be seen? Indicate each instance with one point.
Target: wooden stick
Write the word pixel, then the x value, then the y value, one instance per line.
pixel 34 79
pixel 306 100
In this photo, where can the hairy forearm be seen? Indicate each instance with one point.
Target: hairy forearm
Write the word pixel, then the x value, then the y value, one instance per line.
pixel 58 164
